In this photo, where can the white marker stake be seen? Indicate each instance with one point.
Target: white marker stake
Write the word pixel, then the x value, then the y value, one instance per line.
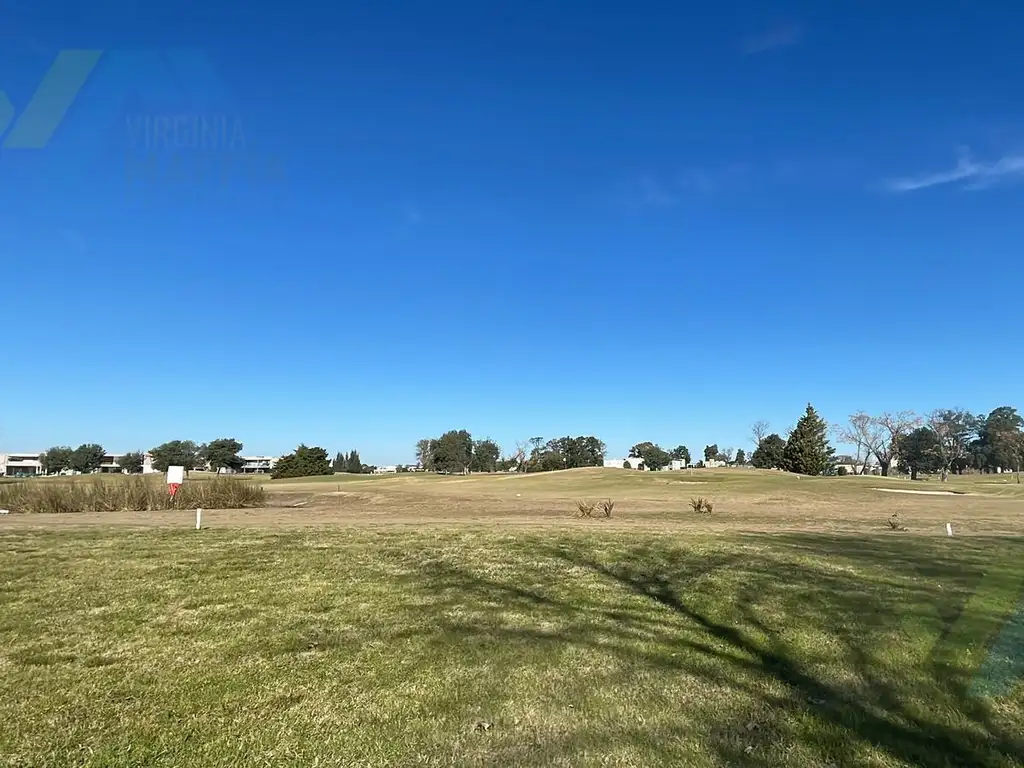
pixel 949 529
pixel 199 519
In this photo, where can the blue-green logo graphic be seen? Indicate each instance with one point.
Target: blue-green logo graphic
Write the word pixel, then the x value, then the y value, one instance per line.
pixel 167 114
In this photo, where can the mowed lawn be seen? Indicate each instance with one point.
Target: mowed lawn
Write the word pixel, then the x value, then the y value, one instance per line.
pixel 481 646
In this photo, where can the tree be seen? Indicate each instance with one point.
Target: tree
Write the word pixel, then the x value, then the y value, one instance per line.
pixel 894 426
pixel 711 452
pixel 769 453
pixel 304 462
pixel 453 452
pixel 574 452
pixel 919 451
pixel 681 453
pixel 741 457
pixel 176 453
pixel 425 453
pixel 727 455
pixel 808 451
pixel 354 465
pixel 758 432
pixel 57 459
pixel 517 461
pixel 954 428
pixel 866 434
pixel 626 465
pixel 87 458
pixel 132 463
pixel 654 457
pixel 999 439
pixel 340 462
pixel 223 454
pixel 485 456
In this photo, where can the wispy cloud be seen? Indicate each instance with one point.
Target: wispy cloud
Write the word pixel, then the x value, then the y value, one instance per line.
pixel 781 35
pixel 649 191
pixel 712 181
pixel 971 174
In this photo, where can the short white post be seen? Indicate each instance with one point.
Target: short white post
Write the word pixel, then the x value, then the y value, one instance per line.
pixel 199 518
pixel 949 529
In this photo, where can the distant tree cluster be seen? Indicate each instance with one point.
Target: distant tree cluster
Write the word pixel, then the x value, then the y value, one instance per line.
pixel 84 459
pixel 566 453
pixel 304 461
pixel 349 463
pixel 956 441
pixel 456 452
pixel 945 441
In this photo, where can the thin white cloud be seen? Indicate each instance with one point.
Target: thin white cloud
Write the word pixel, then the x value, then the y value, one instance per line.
pixel 712 181
pixel 779 36
pixel 976 175
pixel 646 191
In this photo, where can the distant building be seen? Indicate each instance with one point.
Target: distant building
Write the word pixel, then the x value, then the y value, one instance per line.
pixel 257 465
pixel 625 464
pixel 20 464
pixel 388 470
pixel 677 464
pixel 30 464
pixel 712 463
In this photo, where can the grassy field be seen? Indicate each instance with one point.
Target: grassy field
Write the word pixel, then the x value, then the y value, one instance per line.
pixel 474 621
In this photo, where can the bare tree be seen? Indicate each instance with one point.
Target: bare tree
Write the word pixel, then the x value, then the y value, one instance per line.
pixel 894 426
pixel 759 431
pixel 729 453
pixel 519 457
pixel 865 434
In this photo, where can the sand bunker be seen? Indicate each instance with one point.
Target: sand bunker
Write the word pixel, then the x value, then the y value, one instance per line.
pixel 920 493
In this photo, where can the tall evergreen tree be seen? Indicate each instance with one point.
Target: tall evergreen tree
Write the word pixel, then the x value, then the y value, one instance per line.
pixel 807 450
pixel 340 462
pixel 355 465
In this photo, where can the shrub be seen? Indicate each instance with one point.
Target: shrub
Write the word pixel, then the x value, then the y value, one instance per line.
pixel 128 494
pixel 842 471
pixel 606 507
pixel 702 506
pixel 306 462
pixel 586 508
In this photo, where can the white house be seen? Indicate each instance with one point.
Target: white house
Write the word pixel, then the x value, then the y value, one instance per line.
pixel 625 464
pixel 388 470
pixel 677 464
pixel 20 464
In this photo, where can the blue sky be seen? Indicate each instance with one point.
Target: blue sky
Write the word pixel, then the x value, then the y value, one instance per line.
pixel 644 221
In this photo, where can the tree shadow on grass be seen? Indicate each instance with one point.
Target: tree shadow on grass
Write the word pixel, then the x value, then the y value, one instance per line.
pixel 728 618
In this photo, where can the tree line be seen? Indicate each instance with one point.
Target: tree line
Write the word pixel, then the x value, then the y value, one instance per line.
pixel 944 441
pixel 219 454
pixel 457 452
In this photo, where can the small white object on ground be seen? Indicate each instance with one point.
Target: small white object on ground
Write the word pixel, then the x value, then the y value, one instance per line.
pixel 518 495
pixel 4 511
pixel 949 529
pixel 199 518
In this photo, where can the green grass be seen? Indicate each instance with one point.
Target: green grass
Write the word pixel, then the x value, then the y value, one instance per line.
pixel 483 647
